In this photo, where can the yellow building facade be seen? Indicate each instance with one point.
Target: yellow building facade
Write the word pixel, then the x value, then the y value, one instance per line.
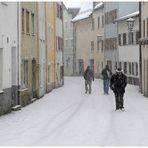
pixel 50 8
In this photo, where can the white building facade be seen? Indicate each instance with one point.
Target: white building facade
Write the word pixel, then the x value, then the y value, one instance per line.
pixel 8 56
pixel 128 47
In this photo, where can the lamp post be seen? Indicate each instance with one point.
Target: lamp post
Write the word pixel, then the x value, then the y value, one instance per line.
pixel 130 23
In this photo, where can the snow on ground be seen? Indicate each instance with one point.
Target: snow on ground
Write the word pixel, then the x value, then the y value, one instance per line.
pixel 69 117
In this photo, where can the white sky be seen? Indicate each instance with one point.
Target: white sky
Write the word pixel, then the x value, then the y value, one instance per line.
pixel 72 3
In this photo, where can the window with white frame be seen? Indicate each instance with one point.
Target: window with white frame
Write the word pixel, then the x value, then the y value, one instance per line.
pixel 1 69
pixel 24 73
pixel 130 68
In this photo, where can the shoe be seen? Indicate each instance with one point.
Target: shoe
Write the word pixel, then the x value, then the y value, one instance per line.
pixel 123 109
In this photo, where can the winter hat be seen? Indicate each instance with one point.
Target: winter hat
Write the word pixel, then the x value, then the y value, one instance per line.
pixel 118 70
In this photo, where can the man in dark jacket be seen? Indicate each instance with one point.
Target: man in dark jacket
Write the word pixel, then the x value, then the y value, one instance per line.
pixel 88 76
pixel 106 73
pixel 118 83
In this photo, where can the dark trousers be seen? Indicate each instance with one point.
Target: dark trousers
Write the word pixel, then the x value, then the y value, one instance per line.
pixel 119 100
pixel 87 86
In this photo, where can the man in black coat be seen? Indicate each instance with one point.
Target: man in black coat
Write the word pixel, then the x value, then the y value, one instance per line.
pixel 88 76
pixel 118 83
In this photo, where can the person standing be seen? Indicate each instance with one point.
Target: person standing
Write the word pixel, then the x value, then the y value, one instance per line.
pixel 118 83
pixel 106 73
pixel 88 76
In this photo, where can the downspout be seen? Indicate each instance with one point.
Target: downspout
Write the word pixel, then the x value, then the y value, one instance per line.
pixel 140 54
pixel 18 51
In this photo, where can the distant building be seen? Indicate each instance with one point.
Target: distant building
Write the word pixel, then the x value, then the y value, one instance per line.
pixel 144 47
pixel 59 45
pixel 8 56
pixel 83 39
pixel 68 15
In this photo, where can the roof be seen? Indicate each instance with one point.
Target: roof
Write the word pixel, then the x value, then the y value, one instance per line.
pixel 82 16
pixel 98 5
pixel 127 16
pixel 85 11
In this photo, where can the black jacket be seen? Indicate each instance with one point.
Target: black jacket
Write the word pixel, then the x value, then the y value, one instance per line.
pixel 88 75
pixel 106 73
pixel 118 83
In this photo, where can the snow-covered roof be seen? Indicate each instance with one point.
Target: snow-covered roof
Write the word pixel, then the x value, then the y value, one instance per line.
pixel 82 16
pixel 85 11
pixel 127 16
pixel 98 5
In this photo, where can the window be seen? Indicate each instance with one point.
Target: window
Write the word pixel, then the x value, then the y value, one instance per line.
pixel 137 37
pixel 27 21
pixel 131 39
pixel 1 69
pixel 98 45
pixel 136 69
pixel 120 64
pixel 144 28
pixel 102 21
pixel 119 39
pixel 102 44
pixel 71 43
pixel 24 76
pixel 98 22
pixel 48 73
pixel 32 21
pixel 125 67
pixel 92 46
pixel 124 38
pixel 23 20
pixel 66 43
pixel 93 25
pixel 130 68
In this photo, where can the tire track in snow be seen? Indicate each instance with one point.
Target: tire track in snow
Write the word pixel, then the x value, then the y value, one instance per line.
pixel 61 125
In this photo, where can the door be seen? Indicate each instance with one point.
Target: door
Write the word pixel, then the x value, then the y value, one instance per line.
pixel 81 66
pixel 34 78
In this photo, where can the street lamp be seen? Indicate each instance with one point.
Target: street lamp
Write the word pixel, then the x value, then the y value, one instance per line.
pixel 130 23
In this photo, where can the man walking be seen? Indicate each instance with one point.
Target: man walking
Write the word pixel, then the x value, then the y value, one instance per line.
pixel 106 73
pixel 118 83
pixel 88 76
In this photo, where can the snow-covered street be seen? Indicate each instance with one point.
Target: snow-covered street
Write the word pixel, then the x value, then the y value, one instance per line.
pixel 69 117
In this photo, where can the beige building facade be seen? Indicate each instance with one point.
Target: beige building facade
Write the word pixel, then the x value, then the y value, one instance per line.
pixel 98 38
pixel 29 67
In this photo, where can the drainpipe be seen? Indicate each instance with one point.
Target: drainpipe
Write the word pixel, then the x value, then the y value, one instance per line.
pixel 140 54
pixel 18 51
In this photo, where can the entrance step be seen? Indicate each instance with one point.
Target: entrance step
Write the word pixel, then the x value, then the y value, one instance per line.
pixel 16 107
pixel 33 100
